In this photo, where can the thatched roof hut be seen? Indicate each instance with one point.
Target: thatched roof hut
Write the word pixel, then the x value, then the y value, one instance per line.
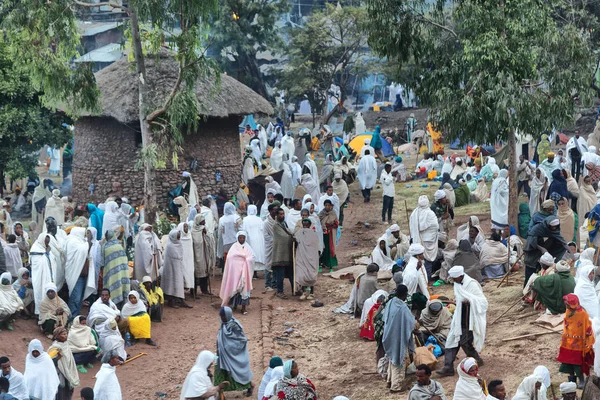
pixel 119 86
pixel 107 143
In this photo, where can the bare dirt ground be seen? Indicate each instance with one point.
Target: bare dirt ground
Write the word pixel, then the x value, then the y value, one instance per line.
pixel 325 345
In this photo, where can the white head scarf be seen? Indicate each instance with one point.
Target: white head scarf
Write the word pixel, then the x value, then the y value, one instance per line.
pixel 40 374
pixel 197 382
pixel 526 389
pixel 276 376
pixel 129 308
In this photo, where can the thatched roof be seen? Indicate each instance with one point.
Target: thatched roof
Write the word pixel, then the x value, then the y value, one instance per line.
pixel 119 87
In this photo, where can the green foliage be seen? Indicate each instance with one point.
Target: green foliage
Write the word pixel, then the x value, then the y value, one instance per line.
pixel 329 49
pixel 494 68
pixel 25 124
pixel 163 226
pixel 242 29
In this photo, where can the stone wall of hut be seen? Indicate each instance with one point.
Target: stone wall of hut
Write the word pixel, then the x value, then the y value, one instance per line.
pixel 106 152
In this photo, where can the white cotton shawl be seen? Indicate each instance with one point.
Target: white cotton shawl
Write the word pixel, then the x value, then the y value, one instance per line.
pixel 526 389
pixel 469 289
pixel 111 339
pixel 276 159
pixel 76 251
pixel 107 385
pixel 424 228
pixel 56 246
pixel 10 302
pixel 112 217
pixel 537 189
pixel 367 172
pixel 102 312
pixel 40 374
pixel 80 337
pixel 467 387
pixel 130 309
pixel 384 261
pixel 414 278
pixel 585 258
pixel 197 382
pixel 276 376
pixel 493 253
pixel 188 254
pixel 264 382
pixel 43 270
pixel 584 289
pixel 147 249
pixel 18 387
pixel 255 228
pixel 312 167
pixel 55 208
pixel 312 188
pixel 499 199
pixel 335 200
pixel 12 256
pixel 369 303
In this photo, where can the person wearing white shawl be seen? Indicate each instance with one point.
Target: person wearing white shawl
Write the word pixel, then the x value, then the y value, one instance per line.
pixel 584 289
pixel 396 241
pixel 204 254
pixel 112 217
pixel 276 375
pixel 198 382
pixel 79 269
pixel 110 339
pixel 262 139
pixel 499 199
pixel 530 388
pixel 316 222
pixel 414 275
pixel 539 187
pixel 273 363
pixel 256 151
pixel 228 226
pixel 493 257
pixel 254 226
pixel 311 167
pixel 188 254
pixel 40 374
pixel 367 147
pixel 367 174
pixel 188 187
pixel 10 302
pixel 276 159
pixel 183 208
pixel 381 255
pixel 466 333
pixel 17 386
pixel 424 228
pixel 107 385
pixel 585 258
pixel 359 124
pixel 481 192
pixel 172 277
pixel 53 310
pixel 296 171
pixel 140 325
pixel 248 168
pixel 329 195
pixel 459 168
pixel 270 198
pixel 55 208
pixel 43 268
pixel 293 216
pixel 467 387
pixel 83 343
pixel 370 302
pixel 95 252
pixel 447 167
pixel 543 373
pixel 12 256
pixel 57 239
pixel 568 390
pixel 287 145
pixel 463 233
pixel 312 189
pixel 61 353
pixel 287 184
pixel 148 254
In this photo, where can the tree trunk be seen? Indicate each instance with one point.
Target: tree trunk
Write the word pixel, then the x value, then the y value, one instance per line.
pixel 250 67
pixel 513 200
pixel 149 168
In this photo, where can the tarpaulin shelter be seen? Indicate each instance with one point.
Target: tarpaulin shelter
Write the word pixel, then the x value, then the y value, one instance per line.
pixel 359 141
pixel 248 120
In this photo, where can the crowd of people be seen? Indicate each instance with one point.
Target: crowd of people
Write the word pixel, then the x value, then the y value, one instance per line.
pixel 97 277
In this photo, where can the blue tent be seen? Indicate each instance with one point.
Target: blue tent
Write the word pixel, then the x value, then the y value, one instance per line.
pixel 387 148
pixel 248 120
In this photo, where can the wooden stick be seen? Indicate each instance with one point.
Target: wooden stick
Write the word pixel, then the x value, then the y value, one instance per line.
pixel 507 310
pixel 294 267
pixel 133 358
pixel 530 335
pixel 509 270
pixel 433 334
pixel 550 329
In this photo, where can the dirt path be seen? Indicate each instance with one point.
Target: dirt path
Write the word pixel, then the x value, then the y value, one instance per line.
pixel 326 345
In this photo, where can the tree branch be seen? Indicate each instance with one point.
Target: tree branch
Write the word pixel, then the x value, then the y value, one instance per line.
pixel 108 3
pixel 422 18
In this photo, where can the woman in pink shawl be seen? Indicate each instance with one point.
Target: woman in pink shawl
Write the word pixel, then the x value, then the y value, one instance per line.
pixel 237 277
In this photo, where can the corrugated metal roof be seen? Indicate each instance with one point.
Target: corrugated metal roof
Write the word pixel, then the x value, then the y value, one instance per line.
pixel 109 53
pixel 94 28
